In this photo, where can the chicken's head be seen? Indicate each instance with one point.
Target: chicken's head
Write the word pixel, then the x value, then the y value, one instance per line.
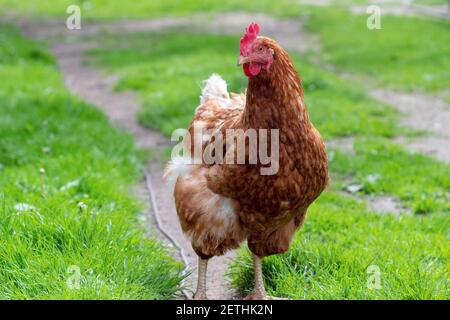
pixel 254 54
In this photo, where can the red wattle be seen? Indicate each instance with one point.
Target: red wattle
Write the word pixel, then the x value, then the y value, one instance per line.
pixel 246 68
pixel 254 69
pixel 251 69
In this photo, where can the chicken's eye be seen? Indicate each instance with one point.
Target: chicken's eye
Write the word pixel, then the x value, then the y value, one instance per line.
pixel 261 48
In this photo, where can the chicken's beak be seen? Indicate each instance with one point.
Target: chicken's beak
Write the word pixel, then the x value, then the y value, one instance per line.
pixel 242 60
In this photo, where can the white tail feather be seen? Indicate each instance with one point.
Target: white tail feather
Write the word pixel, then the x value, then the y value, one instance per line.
pixel 176 167
pixel 215 88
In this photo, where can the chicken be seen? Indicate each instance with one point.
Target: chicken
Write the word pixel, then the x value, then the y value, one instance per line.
pixel 220 204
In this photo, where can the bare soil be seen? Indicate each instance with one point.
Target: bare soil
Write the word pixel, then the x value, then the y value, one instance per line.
pixel 423 112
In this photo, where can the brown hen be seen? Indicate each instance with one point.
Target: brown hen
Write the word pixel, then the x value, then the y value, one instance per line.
pixel 221 203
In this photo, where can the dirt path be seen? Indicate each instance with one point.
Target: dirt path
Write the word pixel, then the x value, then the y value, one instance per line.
pixel 423 112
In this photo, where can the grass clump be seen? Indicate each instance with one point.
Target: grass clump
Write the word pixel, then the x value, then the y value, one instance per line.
pixel 407 53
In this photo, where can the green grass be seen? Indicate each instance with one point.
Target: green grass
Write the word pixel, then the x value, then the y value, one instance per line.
pixel 341 239
pixel 330 256
pixel 56 152
pixel 431 2
pixel 407 53
pixel 391 3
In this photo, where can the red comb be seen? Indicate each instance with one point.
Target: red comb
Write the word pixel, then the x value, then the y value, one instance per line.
pixel 250 35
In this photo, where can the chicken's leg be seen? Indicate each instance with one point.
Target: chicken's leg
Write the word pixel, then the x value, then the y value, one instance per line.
pixel 200 294
pixel 259 292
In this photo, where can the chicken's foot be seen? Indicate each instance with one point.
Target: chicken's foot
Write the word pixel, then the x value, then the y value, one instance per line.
pixel 259 292
pixel 200 294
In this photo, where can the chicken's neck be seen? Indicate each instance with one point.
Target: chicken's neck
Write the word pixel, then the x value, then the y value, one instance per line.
pixel 275 98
